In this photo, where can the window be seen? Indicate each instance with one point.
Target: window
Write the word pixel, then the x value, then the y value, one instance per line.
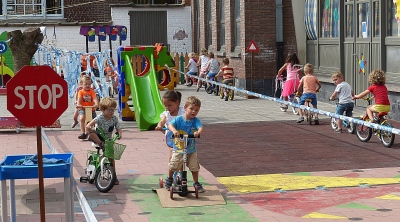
pixel 394 19
pixel 330 19
pixel 237 24
pixel 363 20
pixel 153 2
pixel 32 8
pixel 349 20
pixel 376 18
pixel 209 25
pixel 222 26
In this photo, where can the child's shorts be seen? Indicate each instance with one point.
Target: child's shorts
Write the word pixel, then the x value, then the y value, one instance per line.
pixel 381 108
pixel 192 73
pixel 98 135
pixel 211 75
pixel 346 108
pixel 82 112
pixel 227 81
pixel 192 162
pixel 311 96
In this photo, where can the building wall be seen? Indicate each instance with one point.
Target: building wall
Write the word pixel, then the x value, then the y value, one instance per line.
pixel 257 23
pixel 179 18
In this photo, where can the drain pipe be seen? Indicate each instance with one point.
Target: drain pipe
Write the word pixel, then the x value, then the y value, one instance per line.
pixel 279 35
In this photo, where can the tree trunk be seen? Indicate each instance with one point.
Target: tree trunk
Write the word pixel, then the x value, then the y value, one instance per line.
pixel 24 45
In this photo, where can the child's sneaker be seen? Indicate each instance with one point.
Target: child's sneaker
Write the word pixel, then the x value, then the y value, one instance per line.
pixel 199 187
pixel 301 119
pixel 74 124
pixel 82 136
pixel 168 183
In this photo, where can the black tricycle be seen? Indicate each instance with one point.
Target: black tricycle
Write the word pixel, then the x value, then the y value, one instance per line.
pixel 180 186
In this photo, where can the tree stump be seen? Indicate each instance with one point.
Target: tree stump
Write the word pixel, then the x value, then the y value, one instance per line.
pixel 24 45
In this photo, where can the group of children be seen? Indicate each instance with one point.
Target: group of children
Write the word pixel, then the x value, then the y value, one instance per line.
pixel 209 68
pixel 309 85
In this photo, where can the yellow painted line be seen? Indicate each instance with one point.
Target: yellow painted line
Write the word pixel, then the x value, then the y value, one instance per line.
pixel 389 197
pixel 317 215
pixel 271 182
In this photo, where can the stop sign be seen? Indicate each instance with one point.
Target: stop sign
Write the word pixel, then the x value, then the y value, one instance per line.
pixel 37 96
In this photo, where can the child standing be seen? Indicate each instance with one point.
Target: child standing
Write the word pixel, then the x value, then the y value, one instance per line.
pixel 106 122
pixel 308 86
pixel 203 66
pixel 171 101
pixel 76 113
pixel 377 79
pixel 188 123
pixel 345 93
pixel 86 97
pixel 191 66
pixel 227 74
pixel 292 78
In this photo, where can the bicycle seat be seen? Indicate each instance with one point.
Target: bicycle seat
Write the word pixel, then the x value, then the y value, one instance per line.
pixel 382 114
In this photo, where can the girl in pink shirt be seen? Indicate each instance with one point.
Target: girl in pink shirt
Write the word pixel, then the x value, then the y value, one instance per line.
pixel 292 78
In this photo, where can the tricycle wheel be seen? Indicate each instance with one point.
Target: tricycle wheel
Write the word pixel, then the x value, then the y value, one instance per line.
pixel 90 162
pixel 106 182
pixel 171 193
pixel 196 191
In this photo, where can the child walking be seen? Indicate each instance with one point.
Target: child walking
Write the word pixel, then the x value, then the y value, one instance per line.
pixel 192 67
pixel 106 122
pixel 188 123
pixel 377 79
pixel 227 75
pixel 345 93
pixel 203 60
pixel 86 97
pixel 171 101
pixel 308 85
pixel 292 78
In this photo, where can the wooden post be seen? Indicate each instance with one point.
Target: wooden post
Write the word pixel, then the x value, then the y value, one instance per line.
pixel 40 173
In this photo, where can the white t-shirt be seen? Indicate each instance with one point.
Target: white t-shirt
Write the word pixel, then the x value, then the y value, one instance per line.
pixel 214 66
pixel 193 66
pixel 181 111
pixel 204 60
pixel 344 93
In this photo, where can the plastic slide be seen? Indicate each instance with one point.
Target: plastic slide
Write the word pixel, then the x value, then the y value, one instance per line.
pixel 145 95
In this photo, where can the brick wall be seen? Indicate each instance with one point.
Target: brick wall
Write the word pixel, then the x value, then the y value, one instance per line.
pixel 258 19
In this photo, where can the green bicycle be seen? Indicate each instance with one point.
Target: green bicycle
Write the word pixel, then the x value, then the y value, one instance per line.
pixel 99 169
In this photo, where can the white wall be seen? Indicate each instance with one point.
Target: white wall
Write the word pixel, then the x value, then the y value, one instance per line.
pixel 179 18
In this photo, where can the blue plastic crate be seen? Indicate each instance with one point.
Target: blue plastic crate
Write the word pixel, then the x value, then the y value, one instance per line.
pixel 10 171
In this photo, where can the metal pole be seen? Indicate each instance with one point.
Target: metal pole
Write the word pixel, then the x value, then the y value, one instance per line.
pixel 40 173
pixel 251 71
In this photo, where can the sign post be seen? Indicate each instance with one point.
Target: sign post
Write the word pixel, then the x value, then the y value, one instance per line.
pixel 37 96
pixel 252 48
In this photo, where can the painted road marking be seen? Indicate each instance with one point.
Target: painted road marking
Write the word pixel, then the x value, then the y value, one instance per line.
pixel 272 182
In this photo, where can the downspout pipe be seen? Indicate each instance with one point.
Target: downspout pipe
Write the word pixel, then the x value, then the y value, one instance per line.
pixel 279 34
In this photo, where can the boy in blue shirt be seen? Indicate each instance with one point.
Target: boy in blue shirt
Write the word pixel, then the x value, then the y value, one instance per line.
pixel 188 123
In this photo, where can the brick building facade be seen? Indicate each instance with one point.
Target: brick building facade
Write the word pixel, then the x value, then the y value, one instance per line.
pixel 257 22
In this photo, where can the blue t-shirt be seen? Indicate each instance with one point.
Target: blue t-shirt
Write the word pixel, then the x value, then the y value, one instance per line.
pixel 186 127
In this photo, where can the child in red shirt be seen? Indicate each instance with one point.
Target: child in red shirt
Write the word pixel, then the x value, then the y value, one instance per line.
pixel 227 74
pixel 377 80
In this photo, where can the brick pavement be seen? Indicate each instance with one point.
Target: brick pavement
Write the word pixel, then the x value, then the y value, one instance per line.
pixel 145 160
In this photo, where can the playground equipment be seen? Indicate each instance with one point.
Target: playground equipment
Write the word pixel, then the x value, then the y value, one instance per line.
pixel 143 86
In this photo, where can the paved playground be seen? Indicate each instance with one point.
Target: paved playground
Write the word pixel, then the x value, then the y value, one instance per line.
pixel 267 167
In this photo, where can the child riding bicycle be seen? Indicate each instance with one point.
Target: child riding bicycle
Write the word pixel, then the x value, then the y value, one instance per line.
pixel 227 75
pixel 292 78
pixel 377 79
pixel 345 93
pixel 308 86
pixel 106 122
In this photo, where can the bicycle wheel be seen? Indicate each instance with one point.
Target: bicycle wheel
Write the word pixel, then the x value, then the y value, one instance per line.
pixel 90 162
pixel 386 137
pixel 363 133
pixel 106 182
pixel 295 100
pixel 190 81
pixel 334 123
pixel 350 127
pixel 209 89
pixel 216 90
pixel 221 93
pixel 281 105
pixel 231 94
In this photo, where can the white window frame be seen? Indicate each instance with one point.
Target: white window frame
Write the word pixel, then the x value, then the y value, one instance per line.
pixel 10 5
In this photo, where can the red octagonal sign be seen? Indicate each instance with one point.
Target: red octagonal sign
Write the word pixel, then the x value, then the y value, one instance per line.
pixel 37 96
